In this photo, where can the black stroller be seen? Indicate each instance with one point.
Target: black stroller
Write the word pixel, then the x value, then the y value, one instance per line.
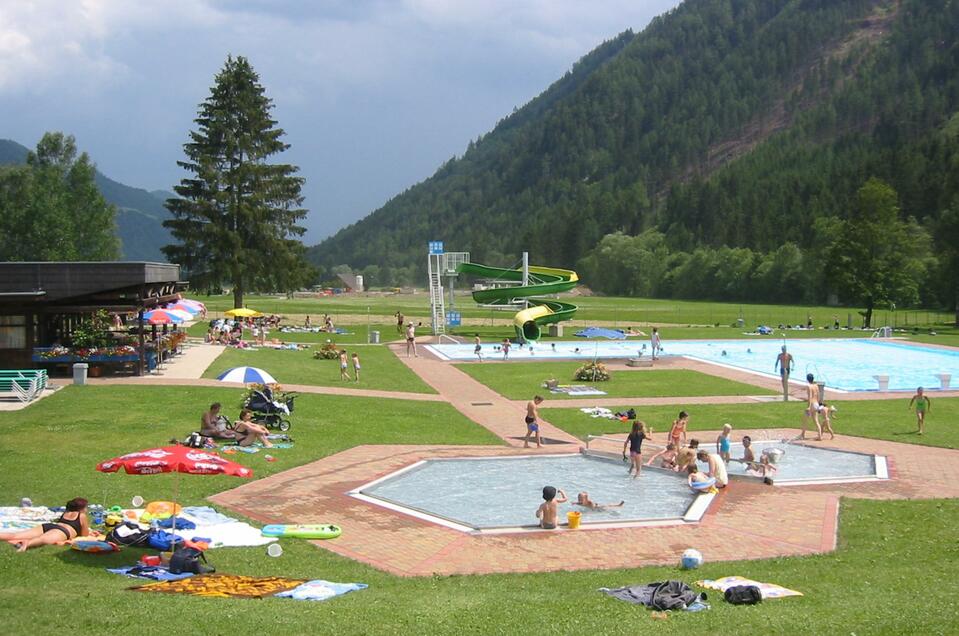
pixel 271 411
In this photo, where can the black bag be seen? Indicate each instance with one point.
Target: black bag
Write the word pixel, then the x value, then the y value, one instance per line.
pixel 195 440
pixel 743 595
pixel 672 595
pixel 129 534
pixel 187 559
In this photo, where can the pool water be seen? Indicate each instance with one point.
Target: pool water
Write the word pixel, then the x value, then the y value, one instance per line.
pixel 506 492
pixel 805 462
pixel 847 364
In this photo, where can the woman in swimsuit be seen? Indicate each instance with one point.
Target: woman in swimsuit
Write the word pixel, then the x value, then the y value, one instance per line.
pixel 635 443
pixel 70 525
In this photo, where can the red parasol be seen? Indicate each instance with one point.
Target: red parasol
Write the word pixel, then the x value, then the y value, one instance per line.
pixel 174 459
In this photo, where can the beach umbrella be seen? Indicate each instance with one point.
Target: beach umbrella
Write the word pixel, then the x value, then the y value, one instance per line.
pixel 243 312
pixel 161 317
pixel 174 459
pixel 181 313
pixel 196 304
pixel 246 375
pixel 181 306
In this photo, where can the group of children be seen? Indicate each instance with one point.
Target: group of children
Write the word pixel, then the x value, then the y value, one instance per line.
pixel 548 511
pixel 345 366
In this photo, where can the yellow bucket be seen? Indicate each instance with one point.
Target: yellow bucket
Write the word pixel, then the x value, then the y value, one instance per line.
pixel 573 518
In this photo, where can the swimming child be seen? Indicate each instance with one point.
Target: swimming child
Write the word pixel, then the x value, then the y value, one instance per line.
pixel 923 404
pixel 635 443
pixel 582 499
pixel 723 442
pixel 666 457
pixel 343 365
pixel 677 434
pixel 547 511
pixel 356 367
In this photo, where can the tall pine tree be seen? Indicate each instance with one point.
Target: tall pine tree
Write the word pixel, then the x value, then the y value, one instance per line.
pixel 236 216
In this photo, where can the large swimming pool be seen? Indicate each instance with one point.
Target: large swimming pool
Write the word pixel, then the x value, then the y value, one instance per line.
pixel 848 364
pixel 504 492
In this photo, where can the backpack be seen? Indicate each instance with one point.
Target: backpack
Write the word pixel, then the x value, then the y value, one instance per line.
pixel 743 595
pixel 195 440
pixel 672 595
pixel 162 540
pixel 187 559
pixel 128 534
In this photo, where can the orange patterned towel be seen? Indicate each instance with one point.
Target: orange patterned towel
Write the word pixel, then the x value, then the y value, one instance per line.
pixel 224 586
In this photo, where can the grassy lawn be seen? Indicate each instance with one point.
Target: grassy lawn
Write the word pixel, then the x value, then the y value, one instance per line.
pixel 521 380
pixel 880 419
pixel 870 585
pixel 381 369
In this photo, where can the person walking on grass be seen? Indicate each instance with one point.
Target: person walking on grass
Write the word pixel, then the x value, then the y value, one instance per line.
pixel 532 422
pixel 356 367
pixel 784 363
pixel 410 340
pixel 399 321
pixel 923 405
pixel 344 374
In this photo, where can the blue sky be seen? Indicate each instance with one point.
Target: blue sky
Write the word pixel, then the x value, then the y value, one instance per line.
pixel 374 95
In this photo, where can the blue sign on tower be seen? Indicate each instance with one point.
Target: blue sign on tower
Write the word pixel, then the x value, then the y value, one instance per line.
pixel 436 247
pixel 453 318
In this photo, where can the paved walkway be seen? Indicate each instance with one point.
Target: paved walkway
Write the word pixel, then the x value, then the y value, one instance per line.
pixel 480 403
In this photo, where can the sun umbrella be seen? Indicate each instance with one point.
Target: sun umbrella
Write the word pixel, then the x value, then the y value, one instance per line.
pixel 161 317
pixel 243 312
pixel 182 306
pixel 191 303
pixel 246 375
pixel 174 459
pixel 182 313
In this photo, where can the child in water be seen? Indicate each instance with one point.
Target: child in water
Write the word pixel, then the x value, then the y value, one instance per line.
pixel 666 457
pixel 723 442
pixel 582 499
pixel 548 510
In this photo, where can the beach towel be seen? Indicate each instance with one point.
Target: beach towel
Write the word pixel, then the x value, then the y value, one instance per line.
pixel 224 586
pixel 320 590
pixel 152 572
pixel 227 535
pixel 598 412
pixel 599 332
pixel 664 595
pixel 769 590
pixel 14 518
pixel 576 389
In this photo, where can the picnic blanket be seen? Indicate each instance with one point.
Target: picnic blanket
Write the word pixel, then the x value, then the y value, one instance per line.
pixel 598 412
pixel 600 332
pixel 576 389
pixel 224 586
pixel 320 590
pixel 769 590
pixel 152 572
pixel 15 518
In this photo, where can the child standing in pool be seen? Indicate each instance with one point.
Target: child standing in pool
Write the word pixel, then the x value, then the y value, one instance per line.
pixel 478 347
pixel 723 442
pixel 923 404
pixel 635 443
pixel 506 345
pixel 548 510
pixel 666 457
pixel 677 434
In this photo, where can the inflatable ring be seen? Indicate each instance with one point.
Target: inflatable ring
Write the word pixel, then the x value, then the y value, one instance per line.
pixel 312 531
pixel 703 486
pixel 163 509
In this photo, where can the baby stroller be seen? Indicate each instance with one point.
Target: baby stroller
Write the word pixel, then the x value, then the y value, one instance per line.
pixel 271 411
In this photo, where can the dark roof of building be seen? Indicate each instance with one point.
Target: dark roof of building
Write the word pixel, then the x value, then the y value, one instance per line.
pixel 349 280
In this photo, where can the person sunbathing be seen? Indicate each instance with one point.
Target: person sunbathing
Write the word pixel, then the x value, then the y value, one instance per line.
pixel 248 432
pixel 213 424
pixel 71 524
pixel 582 499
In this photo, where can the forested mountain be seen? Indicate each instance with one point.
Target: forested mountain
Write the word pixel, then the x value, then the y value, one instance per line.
pixel 140 214
pixel 724 143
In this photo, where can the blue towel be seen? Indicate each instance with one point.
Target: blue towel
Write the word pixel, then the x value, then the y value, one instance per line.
pixel 181 523
pixel 152 572
pixel 320 590
pixel 600 332
pixel 206 515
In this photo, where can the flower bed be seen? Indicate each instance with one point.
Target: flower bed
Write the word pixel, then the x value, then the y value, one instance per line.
pixel 122 353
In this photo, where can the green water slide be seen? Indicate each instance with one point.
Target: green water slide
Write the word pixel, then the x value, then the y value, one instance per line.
pixel 543 281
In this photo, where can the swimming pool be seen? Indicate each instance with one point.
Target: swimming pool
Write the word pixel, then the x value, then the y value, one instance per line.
pixel 473 494
pixel 847 364
pixel 803 463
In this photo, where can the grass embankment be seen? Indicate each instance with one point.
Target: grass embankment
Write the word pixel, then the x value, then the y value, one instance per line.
pixel 521 380
pixel 880 419
pixel 380 368
pixel 870 585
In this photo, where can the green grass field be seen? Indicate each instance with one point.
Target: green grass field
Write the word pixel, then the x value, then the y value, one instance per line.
pixel 880 419
pixel 380 368
pixel 887 577
pixel 521 380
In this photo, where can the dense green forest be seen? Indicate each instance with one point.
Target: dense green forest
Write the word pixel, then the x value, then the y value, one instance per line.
pixel 728 145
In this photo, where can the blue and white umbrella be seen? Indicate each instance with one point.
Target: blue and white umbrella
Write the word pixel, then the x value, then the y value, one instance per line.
pixel 246 375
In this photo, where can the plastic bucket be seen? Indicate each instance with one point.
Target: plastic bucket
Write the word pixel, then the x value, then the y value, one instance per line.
pixel 573 517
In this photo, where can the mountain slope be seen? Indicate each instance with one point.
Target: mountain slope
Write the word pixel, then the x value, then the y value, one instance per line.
pixel 140 214
pixel 659 130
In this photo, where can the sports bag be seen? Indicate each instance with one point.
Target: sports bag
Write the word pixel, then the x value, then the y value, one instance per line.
pixel 128 534
pixel 743 595
pixel 187 559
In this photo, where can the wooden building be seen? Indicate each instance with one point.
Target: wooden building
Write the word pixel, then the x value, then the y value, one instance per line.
pixel 41 302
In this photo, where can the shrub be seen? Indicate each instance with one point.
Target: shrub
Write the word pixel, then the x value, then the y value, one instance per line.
pixel 592 372
pixel 329 351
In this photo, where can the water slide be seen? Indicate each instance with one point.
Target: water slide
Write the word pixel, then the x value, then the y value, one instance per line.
pixel 543 281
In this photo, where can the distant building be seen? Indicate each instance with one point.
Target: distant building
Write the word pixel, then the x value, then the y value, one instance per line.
pixel 351 282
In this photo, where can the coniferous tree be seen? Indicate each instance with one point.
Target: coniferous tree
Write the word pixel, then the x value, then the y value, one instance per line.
pixel 236 217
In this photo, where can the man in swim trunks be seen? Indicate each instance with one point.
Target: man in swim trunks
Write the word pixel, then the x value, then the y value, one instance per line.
pixel 410 339
pixel 549 509
pixel 532 421
pixel 784 363
pixel 812 407
pixel 923 404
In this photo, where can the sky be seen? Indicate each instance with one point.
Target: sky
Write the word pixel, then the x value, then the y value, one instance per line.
pixel 374 95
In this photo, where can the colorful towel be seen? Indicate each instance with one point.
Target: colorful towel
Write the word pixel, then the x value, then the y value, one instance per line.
pixel 320 590
pixel 15 518
pixel 152 572
pixel 769 590
pixel 224 586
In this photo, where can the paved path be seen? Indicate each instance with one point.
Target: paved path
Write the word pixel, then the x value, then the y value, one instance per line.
pixel 478 402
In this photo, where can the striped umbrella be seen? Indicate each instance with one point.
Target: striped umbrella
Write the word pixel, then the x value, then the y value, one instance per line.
pixel 181 306
pixel 181 313
pixel 161 317
pixel 196 304
pixel 246 375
